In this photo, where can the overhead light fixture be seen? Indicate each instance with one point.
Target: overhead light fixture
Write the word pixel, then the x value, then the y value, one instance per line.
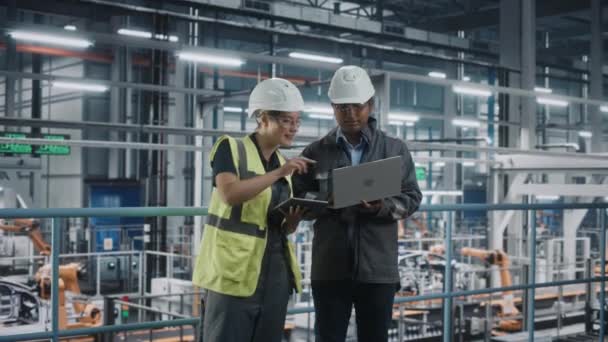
pixel 98 88
pixel 164 37
pixel 604 109
pixel 206 58
pixel 403 117
pixel 543 90
pixel 439 164
pixel 321 116
pixel 233 109
pixel 585 134
pixel 396 123
pixel 547 197
pixel 70 28
pixel 51 39
pixel 466 78
pixel 410 124
pixel 471 91
pixel 452 193
pixel 466 123
pixel 320 109
pixel 437 74
pixel 468 164
pixel 135 33
pixel 316 58
pixel 551 102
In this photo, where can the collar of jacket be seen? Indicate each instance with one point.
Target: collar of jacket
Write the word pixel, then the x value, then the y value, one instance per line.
pixel 368 132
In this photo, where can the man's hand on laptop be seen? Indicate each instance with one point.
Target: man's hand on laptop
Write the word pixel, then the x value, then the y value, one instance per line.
pixel 372 207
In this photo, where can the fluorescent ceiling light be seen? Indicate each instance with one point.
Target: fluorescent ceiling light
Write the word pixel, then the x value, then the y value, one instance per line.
pixel 164 37
pixel 52 39
pixel 604 109
pixel 321 116
pixel 409 124
pixel 99 88
pixel 135 33
pixel 453 193
pixel 466 78
pixel 403 117
pixel 466 123
pixel 70 27
pixel 585 134
pixel 468 163
pixel 210 59
pixel 396 123
pixel 317 58
pixel 437 74
pixel 233 109
pixel 547 197
pixel 471 91
pixel 551 102
pixel 543 90
pixel 320 109
pixel 439 164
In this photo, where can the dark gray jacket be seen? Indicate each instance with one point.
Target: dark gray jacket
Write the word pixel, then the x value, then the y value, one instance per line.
pixel 351 243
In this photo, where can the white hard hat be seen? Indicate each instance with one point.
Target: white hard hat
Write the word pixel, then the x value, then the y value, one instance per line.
pixel 275 94
pixel 350 84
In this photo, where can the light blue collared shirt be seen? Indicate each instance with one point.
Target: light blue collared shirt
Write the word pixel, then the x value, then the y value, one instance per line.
pixel 355 151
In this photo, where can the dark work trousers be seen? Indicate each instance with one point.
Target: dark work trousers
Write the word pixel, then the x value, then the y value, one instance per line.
pixel 334 300
pixel 259 318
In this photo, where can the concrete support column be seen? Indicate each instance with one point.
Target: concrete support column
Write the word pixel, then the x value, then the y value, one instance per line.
pixel 177 159
pixel 116 157
pixel 517 51
pixel 452 103
pixel 382 83
pixel 595 74
pixel 10 64
pixel 528 72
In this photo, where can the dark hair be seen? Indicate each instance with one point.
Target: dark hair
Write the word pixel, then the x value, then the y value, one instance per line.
pixel 272 113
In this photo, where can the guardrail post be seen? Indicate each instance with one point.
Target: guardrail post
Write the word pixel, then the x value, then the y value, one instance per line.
pixel 525 270
pixel 588 297
pixel 108 316
pixel 447 279
pixel 531 276
pixel 603 274
pixel 56 231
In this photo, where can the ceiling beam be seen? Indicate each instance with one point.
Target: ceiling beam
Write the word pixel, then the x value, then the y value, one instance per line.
pixel 490 16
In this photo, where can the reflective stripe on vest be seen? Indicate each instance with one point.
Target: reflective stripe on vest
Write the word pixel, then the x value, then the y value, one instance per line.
pixel 234 223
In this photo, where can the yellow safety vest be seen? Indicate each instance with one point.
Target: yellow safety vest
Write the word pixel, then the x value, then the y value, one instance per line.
pixel 234 237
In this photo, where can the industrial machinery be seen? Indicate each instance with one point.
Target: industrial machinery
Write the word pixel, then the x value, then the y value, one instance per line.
pixel 30 227
pixel 507 305
pixel 86 313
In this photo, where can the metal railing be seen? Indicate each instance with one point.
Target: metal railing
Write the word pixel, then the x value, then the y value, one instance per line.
pixel 57 213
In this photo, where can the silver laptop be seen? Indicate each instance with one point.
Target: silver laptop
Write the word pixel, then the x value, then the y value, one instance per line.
pixel 366 182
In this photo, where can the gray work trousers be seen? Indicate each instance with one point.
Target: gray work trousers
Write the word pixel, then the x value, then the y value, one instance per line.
pixel 259 318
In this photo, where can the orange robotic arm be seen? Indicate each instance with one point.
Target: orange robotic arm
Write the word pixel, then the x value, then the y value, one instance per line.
pixel 30 227
pixel 501 259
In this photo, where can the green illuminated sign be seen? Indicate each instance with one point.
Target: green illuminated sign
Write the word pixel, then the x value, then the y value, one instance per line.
pixel 420 173
pixel 15 148
pixel 50 149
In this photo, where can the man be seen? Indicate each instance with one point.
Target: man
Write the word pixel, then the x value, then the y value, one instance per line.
pixel 354 253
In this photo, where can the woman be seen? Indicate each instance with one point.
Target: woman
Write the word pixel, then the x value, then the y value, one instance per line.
pixel 245 262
